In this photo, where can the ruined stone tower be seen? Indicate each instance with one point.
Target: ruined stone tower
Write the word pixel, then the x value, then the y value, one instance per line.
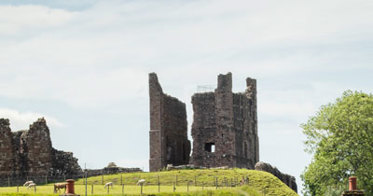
pixel 169 142
pixel 224 127
pixel 39 148
pixel 30 153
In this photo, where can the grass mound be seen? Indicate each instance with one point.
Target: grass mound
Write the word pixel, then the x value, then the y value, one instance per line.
pixel 261 181
pixel 210 182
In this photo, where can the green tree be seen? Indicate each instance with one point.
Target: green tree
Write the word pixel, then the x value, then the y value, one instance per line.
pixel 340 136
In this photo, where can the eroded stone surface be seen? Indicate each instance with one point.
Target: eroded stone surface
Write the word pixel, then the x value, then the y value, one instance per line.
pixel 169 142
pixel 224 126
pixel 6 150
pixel 39 148
pixel 30 153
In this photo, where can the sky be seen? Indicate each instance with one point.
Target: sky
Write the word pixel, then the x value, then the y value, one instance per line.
pixel 83 65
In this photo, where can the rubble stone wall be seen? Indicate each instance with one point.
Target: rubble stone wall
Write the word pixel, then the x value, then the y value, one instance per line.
pixel 285 178
pixel 30 153
pixel 169 142
pixel 106 170
pixel 246 126
pixel 39 149
pixel 228 122
pixel 64 163
pixel 6 149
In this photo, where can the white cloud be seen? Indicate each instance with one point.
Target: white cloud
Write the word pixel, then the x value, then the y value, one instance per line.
pixel 22 120
pixel 90 89
pixel 289 110
pixel 21 19
pixel 102 88
pixel 99 55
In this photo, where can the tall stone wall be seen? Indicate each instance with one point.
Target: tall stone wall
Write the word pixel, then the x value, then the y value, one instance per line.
pixel 224 127
pixel 252 121
pixel 6 148
pixel 246 126
pixel 30 153
pixel 20 149
pixel 39 149
pixel 169 142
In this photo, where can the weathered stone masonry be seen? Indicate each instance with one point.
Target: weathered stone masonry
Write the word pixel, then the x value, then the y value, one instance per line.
pixel 224 127
pixel 169 142
pixel 30 153
pixel 6 148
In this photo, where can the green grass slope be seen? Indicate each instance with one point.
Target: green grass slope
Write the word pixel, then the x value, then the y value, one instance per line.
pixel 199 182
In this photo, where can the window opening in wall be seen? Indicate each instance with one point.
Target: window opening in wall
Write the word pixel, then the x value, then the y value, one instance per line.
pixel 210 147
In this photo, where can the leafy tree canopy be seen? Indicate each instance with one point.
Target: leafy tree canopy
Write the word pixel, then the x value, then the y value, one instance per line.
pixel 340 136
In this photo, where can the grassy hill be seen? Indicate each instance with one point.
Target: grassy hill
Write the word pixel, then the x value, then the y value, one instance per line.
pixel 186 182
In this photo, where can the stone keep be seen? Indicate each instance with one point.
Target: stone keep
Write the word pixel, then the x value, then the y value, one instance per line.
pixel 30 153
pixel 169 142
pixel 224 126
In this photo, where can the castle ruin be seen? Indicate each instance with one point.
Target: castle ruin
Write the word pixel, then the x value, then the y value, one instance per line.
pixel 224 130
pixel 30 153
pixel 169 142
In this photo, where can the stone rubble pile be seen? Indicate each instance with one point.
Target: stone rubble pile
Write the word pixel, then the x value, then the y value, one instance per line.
pixel 285 178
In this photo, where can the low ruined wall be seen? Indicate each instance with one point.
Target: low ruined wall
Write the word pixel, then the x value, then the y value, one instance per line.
pixel 111 170
pixel 65 163
pixel 285 178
